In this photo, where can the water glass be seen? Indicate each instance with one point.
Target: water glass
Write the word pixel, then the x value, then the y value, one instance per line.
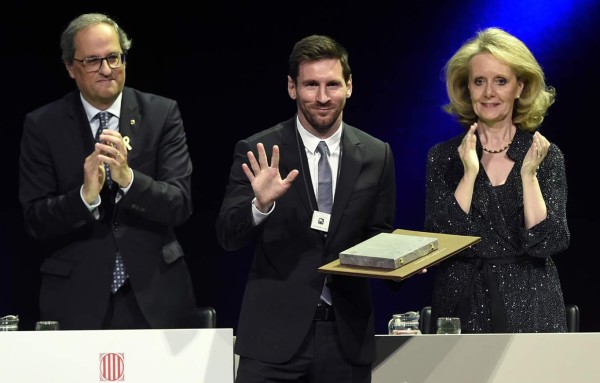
pixel 9 323
pixel 404 324
pixel 448 325
pixel 47 325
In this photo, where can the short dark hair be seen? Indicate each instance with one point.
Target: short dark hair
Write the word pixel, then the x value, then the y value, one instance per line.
pixel 317 47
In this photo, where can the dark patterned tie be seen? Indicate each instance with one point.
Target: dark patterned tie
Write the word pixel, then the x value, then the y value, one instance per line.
pixel 324 197
pixel 103 117
pixel 119 273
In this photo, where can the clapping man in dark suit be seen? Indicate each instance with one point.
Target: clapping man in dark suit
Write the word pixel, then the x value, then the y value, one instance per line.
pixel 296 325
pixel 105 203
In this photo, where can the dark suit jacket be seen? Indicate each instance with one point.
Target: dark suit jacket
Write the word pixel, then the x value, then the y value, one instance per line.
pixel 284 286
pixel 77 271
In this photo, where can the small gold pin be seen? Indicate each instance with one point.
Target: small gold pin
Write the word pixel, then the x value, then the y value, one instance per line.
pixel 126 142
pixel 131 122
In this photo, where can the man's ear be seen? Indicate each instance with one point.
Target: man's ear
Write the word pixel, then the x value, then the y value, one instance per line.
pixel 70 69
pixel 349 85
pixel 292 88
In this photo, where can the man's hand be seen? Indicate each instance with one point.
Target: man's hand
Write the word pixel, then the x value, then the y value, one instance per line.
pixel 266 181
pixel 113 152
pixel 93 176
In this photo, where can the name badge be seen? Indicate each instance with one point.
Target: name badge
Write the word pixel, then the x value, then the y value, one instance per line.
pixel 320 221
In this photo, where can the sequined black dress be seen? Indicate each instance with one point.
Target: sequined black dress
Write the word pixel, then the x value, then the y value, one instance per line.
pixel 508 282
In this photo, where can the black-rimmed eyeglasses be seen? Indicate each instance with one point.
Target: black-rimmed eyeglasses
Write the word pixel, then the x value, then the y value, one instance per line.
pixel 94 63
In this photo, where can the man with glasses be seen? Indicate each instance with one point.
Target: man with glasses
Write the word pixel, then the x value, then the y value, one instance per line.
pixel 105 176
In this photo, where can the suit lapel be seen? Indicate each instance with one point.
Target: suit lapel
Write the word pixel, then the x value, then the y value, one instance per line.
pixel 293 156
pixel 351 164
pixel 79 122
pixel 130 120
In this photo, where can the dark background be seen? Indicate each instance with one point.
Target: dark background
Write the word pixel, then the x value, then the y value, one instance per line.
pixel 226 64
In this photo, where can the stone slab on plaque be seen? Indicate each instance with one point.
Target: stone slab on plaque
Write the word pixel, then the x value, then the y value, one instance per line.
pixel 388 250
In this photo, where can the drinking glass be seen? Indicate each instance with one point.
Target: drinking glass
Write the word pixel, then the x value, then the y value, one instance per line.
pixel 9 323
pixel 47 325
pixel 404 324
pixel 448 325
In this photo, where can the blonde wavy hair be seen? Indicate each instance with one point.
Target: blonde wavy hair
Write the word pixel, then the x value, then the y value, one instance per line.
pixel 536 97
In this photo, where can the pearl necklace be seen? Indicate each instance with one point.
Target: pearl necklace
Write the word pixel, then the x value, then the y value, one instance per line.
pixel 496 151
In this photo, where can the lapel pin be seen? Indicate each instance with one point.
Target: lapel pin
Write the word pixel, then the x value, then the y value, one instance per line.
pixel 126 142
pixel 131 122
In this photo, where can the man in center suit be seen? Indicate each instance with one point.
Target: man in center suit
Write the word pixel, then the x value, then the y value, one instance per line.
pixel 93 200
pixel 294 324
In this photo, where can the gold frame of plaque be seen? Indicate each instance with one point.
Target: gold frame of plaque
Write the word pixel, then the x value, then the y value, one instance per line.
pixel 448 245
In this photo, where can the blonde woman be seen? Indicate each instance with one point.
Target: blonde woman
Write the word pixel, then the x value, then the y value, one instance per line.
pixel 502 181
